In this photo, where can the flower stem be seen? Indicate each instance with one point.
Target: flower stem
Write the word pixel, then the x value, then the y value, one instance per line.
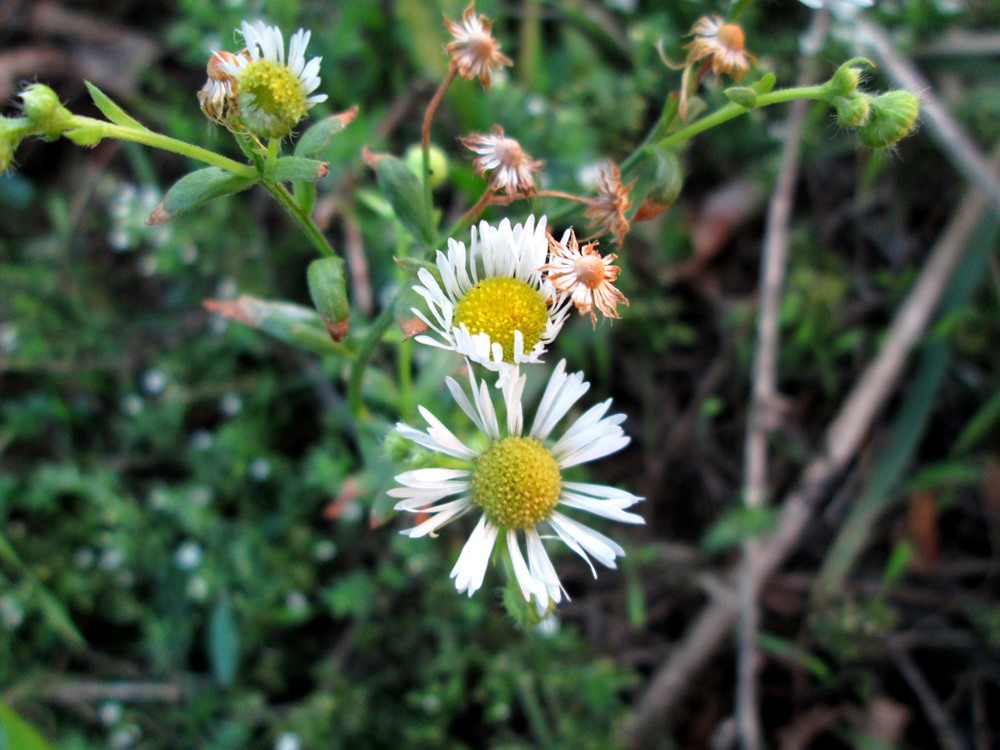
pixel 354 381
pixel 733 110
pixel 425 138
pixel 302 218
pixel 164 143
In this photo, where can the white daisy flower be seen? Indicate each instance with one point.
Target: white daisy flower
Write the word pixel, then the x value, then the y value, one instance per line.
pixel 516 480
pixel 495 308
pixel 273 95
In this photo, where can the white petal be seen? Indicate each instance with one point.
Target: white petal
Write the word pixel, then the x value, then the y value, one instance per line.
pixel 607 508
pixel 442 515
pixel 541 567
pixel 470 569
pixel 594 542
pixel 560 394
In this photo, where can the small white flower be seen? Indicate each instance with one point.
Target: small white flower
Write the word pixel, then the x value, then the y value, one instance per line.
pixel 516 480
pixel 495 308
pixel 272 95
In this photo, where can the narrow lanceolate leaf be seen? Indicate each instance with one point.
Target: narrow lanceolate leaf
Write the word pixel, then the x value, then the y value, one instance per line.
pixel 328 290
pixel 298 169
pixel 197 189
pixel 293 324
pixel 111 110
pixel 223 642
pixel 17 734
pixel 403 191
pixel 316 139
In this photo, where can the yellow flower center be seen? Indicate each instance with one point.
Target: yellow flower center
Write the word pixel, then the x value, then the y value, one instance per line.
pixel 516 482
pixel 271 98
pixel 498 307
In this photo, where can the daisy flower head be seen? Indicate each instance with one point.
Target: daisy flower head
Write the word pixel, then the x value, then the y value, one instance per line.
pixel 512 168
pixel 492 304
pixel 273 94
pixel 474 51
pixel 516 482
pixel 585 276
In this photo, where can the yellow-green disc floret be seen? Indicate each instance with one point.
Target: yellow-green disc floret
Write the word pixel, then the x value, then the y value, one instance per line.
pixel 499 306
pixel 516 482
pixel 271 98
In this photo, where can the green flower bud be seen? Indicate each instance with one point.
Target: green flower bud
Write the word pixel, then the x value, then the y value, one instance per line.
pixel 48 117
pixel 847 78
pixel 329 294
pixel 853 111
pixel 12 132
pixel 893 117
pixel 414 159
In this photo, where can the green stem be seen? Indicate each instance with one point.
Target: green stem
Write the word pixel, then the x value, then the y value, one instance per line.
pixel 733 110
pixel 165 143
pixel 378 328
pixel 302 218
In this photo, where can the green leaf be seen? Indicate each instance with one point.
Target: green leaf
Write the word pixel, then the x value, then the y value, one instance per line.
pixel 316 139
pixel 950 473
pixel 736 526
pixel 111 110
pixel 742 95
pixel 779 646
pixel 223 642
pixel 982 422
pixel 197 189
pixel 298 169
pixel 328 290
pixel 297 325
pixel 17 734
pixel 765 84
pixel 405 194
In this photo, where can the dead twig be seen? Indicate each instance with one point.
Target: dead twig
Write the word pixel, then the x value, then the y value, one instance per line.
pixel 764 395
pixel 935 712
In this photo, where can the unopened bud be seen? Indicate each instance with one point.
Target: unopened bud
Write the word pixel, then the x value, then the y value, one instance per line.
pixel 438 163
pixel 853 111
pixel 847 78
pixel 12 132
pixel 329 294
pixel 48 117
pixel 893 117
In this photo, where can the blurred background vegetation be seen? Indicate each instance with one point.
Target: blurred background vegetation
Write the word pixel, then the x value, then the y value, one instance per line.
pixel 195 549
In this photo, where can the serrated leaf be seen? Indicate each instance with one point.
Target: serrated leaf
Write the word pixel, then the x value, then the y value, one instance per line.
pixel 223 642
pixel 197 189
pixel 299 169
pixel 317 138
pixel 736 526
pixel 17 734
pixel 111 110
pixel 402 188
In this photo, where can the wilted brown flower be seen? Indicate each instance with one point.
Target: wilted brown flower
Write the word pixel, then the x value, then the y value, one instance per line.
pixel 607 211
pixel 585 276
pixel 513 167
pixel 719 47
pixel 722 44
pixel 217 97
pixel 475 52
